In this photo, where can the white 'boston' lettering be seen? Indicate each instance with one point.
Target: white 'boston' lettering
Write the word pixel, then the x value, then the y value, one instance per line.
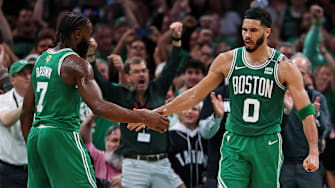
pixel 43 71
pixel 252 85
pixel 235 85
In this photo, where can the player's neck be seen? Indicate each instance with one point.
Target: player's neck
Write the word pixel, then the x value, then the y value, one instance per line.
pixel 258 56
pixel 62 45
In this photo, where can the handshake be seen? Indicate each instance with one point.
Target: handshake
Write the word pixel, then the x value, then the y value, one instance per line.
pixel 153 119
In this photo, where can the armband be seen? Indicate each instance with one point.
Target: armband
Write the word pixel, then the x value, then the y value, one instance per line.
pixel 307 110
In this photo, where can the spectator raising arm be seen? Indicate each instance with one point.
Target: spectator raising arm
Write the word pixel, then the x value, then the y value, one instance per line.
pixel 5 29
pixel 209 127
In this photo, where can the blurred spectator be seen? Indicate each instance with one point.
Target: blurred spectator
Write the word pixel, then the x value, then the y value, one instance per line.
pixel 230 22
pixel 290 20
pixel 324 83
pixel 119 33
pixel 4 76
pixel 295 145
pixel 43 42
pixel 192 72
pixel 313 38
pixel 24 33
pixel 206 56
pixel 187 150
pixel 205 36
pixel 103 68
pixel 13 155
pixel 104 38
pixel 325 78
pixel 145 153
pixel 107 164
pixel 137 48
pixel 212 122
pixel 212 21
pixel 5 30
pixel 221 47
pixel 287 48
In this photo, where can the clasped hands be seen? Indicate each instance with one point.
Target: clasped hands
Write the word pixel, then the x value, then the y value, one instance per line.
pixel 157 127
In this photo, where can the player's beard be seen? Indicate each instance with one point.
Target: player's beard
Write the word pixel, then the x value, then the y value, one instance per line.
pixel 82 48
pixel 114 159
pixel 258 43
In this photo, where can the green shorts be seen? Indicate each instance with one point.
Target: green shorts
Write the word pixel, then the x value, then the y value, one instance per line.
pixel 256 160
pixel 58 158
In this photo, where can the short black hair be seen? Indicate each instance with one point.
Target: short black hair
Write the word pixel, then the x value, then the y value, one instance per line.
pixel 43 37
pixel 193 63
pixel 259 14
pixel 69 23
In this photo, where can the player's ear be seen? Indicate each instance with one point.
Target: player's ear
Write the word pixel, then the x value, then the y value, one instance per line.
pixel 267 32
pixel 77 34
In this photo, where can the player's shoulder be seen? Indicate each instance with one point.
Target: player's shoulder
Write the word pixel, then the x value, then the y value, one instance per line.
pixel 226 56
pixel 76 64
pixel 75 58
pixel 285 63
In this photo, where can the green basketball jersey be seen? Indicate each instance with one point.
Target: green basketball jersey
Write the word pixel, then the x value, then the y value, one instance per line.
pixel 56 102
pixel 256 95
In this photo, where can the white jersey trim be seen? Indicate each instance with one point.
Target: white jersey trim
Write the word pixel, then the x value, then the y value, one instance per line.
pixel 281 86
pixel 220 180
pixel 53 51
pixel 232 64
pixel 255 67
pixel 279 158
pixel 83 156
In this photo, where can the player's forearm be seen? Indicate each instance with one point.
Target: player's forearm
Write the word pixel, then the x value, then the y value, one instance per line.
pixel 26 122
pixel 184 101
pixel 117 113
pixel 311 134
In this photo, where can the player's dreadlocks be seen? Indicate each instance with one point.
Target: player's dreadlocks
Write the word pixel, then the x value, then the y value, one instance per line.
pixel 69 23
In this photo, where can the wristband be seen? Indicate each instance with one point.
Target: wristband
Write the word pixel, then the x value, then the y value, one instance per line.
pixel 176 38
pixel 307 110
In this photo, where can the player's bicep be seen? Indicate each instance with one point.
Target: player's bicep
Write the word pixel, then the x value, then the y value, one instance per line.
pixel 207 84
pixel 88 88
pixel 222 63
pixel 294 81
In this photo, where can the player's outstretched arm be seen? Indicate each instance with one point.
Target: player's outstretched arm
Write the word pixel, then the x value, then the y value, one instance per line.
pixel 289 74
pixel 219 68
pixel 28 109
pixel 76 70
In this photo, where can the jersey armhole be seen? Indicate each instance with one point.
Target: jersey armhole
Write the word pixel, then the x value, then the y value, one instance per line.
pixel 62 59
pixel 281 86
pixel 232 65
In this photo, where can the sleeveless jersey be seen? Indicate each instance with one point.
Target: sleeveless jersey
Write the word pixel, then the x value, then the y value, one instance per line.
pixel 256 95
pixel 57 103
